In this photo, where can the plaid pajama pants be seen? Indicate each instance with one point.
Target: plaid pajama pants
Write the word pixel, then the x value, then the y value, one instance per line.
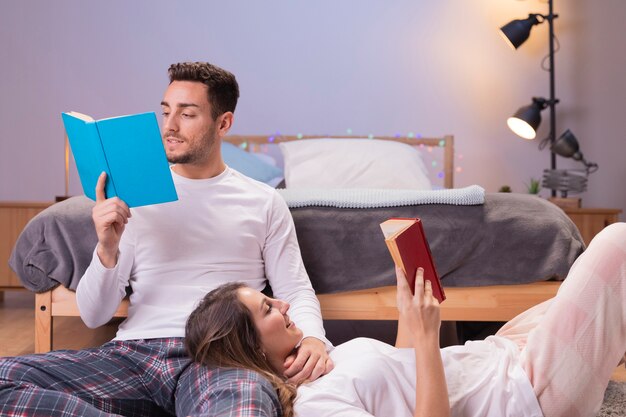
pixel 130 378
pixel 571 344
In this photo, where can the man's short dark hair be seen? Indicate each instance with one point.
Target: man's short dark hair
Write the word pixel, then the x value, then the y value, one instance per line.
pixel 222 85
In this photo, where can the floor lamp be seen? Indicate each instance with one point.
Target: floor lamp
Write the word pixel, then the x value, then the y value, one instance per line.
pixel 526 119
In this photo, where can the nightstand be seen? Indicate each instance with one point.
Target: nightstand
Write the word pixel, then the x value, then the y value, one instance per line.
pixel 591 220
pixel 13 219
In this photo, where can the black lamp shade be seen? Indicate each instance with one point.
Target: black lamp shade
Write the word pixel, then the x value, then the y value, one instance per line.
pixel 517 31
pixel 567 146
pixel 526 120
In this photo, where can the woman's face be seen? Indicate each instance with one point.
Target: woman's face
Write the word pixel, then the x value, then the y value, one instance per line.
pixel 279 335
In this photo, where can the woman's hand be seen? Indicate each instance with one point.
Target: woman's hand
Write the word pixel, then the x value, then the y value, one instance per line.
pixel 419 315
pixel 419 311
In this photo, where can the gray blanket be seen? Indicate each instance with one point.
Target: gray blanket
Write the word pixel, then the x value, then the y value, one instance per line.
pixel 56 246
pixel 512 238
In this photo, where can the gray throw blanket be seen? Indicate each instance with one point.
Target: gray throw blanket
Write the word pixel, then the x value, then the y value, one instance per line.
pixel 510 239
pixel 56 246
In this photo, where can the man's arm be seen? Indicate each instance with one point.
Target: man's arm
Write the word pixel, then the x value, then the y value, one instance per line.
pixel 102 287
pixel 287 276
pixel 101 290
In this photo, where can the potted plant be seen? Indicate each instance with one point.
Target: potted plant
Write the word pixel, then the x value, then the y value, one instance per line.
pixel 534 186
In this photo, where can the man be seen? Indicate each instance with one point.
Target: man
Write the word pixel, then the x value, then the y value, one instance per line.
pixel 224 227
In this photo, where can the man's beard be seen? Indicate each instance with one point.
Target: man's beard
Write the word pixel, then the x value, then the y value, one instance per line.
pixel 197 153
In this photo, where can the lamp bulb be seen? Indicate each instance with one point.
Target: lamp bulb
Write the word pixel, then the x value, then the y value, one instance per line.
pixel 521 128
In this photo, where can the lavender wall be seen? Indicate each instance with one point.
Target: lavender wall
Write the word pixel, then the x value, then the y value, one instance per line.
pixel 320 67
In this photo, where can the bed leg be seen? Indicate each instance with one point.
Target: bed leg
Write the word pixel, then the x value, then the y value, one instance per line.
pixel 448 334
pixel 43 322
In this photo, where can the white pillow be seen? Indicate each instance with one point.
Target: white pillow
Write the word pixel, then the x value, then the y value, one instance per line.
pixel 250 164
pixel 353 163
pixel 266 158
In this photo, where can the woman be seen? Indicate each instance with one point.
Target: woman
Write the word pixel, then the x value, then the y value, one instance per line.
pixel 554 360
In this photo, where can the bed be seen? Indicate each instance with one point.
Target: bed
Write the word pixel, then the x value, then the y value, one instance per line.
pixel 496 258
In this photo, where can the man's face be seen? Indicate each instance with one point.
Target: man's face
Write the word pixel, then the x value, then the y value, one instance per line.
pixel 189 131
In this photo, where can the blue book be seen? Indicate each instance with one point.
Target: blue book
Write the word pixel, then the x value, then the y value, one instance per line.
pixel 129 149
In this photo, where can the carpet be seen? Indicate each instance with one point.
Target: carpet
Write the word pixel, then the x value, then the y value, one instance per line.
pixel 614 404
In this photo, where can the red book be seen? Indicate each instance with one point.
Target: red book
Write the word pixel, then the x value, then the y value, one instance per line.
pixel 409 249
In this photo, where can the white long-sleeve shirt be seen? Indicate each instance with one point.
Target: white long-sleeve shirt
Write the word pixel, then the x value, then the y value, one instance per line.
pixel 371 378
pixel 222 229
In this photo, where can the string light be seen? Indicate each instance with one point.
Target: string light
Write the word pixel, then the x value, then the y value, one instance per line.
pixel 434 163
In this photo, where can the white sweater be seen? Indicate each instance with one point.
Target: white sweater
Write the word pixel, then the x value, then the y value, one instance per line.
pixel 371 378
pixel 223 229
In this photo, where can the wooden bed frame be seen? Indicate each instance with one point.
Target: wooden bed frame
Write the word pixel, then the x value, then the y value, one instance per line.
pixel 486 303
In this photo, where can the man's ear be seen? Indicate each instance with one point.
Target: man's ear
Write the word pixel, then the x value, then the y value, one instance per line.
pixel 224 123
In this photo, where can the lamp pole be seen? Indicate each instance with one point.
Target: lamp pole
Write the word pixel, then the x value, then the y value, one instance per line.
pixel 551 16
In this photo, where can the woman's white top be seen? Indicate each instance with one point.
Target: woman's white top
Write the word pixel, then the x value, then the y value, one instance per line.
pixel 484 378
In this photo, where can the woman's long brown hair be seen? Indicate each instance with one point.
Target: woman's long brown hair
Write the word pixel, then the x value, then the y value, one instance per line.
pixel 221 332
